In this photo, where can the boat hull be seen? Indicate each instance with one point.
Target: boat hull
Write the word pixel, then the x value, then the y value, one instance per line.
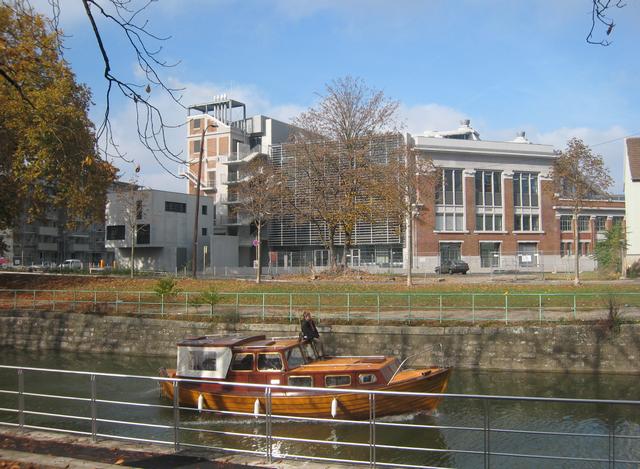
pixel 319 404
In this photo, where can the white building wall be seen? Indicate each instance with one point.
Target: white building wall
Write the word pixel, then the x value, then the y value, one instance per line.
pixel 632 209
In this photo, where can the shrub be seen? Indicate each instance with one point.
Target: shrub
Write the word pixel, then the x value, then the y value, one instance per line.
pixel 634 270
pixel 209 297
pixel 166 286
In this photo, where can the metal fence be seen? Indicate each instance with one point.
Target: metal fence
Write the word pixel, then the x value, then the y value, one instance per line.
pixel 120 406
pixel 442 308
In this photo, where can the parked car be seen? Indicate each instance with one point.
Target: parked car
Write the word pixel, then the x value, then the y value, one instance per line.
pixel 452 267
pixel 41 267
pixel 72 264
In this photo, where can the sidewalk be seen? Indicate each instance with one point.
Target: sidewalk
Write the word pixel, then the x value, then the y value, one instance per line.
pixel 45 450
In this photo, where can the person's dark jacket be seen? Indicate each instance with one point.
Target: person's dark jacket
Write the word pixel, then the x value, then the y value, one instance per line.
pixel 309 330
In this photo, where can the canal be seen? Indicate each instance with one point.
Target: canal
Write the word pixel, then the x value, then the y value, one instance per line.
pixel 541 427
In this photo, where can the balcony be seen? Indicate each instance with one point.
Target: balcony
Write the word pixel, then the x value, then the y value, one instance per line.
pixel 48 231
pixel 48 247
pixel 77 247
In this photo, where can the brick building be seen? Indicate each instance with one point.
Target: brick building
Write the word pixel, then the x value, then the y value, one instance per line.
pixel 495 207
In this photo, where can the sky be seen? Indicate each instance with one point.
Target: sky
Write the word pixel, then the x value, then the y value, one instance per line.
pixel 506 65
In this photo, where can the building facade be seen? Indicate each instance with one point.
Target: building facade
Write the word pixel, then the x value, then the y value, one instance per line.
pixel 632 193
pixel 495 207
pixel 229 140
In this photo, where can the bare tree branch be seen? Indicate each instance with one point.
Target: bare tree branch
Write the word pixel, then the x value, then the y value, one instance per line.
pixel 599 10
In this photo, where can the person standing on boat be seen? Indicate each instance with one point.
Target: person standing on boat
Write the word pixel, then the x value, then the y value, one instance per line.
pixel 310 333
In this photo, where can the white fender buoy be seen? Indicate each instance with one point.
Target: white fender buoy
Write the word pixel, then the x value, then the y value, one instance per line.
pixel 334 407
pixel 256 407
pixel 200 402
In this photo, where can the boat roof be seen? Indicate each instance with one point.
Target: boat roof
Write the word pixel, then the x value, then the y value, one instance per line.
pixel 240 342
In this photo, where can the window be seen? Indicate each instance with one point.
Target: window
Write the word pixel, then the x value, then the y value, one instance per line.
pixel 565 248
pixel 584 248
pixel 528 254
pixel 305 381
pixel 242 362
pixel 526 222
pixel 488 188
pixel 143 234
pixel 177 207
pixel 138 209
pixel 196 123
pixel 334 381
pixel 489 255
pixel 449 222
pixel 368 378
pixel 449 188
pixel 488 222
pixel 115 232
pixel 617 221
pixel 525 189
pixel 196 146
pixel 201 360
pixel 449 252
pixel 294 358
pixel 583 223
pixel 204 232
pixel 204 209
pixel 565 223
pixel 269 362
pixel 601 223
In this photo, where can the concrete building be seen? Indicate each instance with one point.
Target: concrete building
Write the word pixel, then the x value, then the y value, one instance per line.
pixel 495 207
pixel 160 225
pixel 230 140
pixel 632 196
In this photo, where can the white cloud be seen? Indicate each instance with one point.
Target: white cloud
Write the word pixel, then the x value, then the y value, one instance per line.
pixel 423 117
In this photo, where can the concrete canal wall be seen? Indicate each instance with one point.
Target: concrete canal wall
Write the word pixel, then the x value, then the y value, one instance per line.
pixel 551 348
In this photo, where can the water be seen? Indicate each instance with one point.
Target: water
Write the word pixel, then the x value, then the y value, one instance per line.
pixel 593 422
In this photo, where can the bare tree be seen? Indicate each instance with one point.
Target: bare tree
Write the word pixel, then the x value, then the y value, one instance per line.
pixel 332 150
pixel 600 19
pixel 259 195
pixel 579 175
pixel 131 210
pixel 126 17
pixel 397 190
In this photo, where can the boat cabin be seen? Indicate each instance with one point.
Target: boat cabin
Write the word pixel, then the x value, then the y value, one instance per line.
pixel 286 361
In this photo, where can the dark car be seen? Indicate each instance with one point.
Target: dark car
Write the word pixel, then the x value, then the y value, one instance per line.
pixel 452 267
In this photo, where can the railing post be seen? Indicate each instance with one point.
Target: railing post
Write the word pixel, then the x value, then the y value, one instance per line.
pixel 409 304
pixel 440 308
pixel 75 296
pixel 161 304
pixel 263 299
pixel 94 410
pixel 348 307
pixel 117 301
pixel 21 399
pixel 487 433
pixel 506 308
pixel 15 300
pixel 372 430
pixel 34 299
pixel 176 416
pixel 612 441
pixel 290 308
pixel 95 300
pixel 574 306
pixel 540 308
pixel 186 303
pixel 378 306
pixel 139 301
pixel 238 305
pixel 53 300
pixel 473 308
pixel 269 433
pixel 319 307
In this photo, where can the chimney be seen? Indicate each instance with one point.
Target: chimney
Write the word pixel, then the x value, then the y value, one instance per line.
pixel 465 122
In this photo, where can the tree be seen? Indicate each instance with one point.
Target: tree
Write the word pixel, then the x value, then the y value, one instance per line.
pixel 259 196
pixel 131 210
pixel 579 175
pixel 48 153
pixel 610 252
pixel 600 19
pixel 397 190
pixel 332 148
pixel 126 18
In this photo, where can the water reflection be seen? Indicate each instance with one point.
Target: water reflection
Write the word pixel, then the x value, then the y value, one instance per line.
pixel 448 446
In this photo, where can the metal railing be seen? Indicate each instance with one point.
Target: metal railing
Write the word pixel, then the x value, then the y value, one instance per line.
pixel 79 406
pixel 441 308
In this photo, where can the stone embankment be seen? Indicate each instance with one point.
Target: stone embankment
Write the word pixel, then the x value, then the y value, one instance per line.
pixel 556 347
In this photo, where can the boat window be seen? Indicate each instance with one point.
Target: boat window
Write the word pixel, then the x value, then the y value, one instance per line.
pixel 242 362
pixel 300 381
pixel 269 361
pixel 294 358
pixel 309 351
pixel 334 381
pixel 368 378
pixel 201 360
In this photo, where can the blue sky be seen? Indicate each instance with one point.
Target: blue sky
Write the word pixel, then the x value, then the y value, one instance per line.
pixel 506 65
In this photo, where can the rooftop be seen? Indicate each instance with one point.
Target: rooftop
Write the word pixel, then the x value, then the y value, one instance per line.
pixel 633 155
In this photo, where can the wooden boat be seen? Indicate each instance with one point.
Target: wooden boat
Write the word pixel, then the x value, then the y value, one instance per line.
pixel 233 361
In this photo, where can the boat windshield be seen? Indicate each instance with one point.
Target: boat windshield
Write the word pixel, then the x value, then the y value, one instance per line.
pixel 294 358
